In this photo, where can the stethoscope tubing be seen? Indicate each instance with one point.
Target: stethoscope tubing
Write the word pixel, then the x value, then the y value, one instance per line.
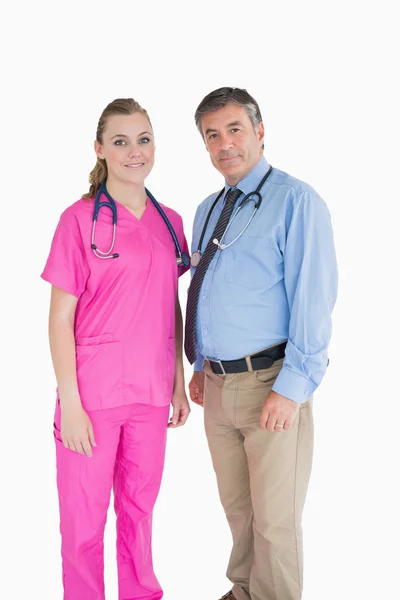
pixel 243 202
pixel 182 257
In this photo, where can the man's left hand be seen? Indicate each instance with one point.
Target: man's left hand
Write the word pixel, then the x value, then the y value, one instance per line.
pixel 278 412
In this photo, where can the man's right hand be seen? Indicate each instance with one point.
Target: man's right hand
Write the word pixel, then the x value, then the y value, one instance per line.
pixel 196 387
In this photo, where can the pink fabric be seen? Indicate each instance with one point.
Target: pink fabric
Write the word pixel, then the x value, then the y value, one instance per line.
pixel 129 454
pixel 125 317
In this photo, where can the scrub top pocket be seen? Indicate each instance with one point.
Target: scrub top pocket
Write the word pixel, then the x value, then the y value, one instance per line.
pixel 99 372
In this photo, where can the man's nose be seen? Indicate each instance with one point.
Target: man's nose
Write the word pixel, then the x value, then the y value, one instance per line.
pixel 225 142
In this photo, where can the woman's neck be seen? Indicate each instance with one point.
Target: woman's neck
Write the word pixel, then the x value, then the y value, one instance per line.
pixel 132 196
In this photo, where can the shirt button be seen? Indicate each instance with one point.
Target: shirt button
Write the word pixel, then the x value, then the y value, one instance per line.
pixel 205 330
pixel 306 392
pixel 204 297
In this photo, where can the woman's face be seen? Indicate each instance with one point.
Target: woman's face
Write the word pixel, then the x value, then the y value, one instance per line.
pixel 128 148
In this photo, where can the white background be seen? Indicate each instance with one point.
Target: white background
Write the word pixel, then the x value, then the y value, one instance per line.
pixel 324 74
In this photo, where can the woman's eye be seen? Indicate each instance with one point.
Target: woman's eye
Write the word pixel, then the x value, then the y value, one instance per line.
pixel 119 142
pixel 144 140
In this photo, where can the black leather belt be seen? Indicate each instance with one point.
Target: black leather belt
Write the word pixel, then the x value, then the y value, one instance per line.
pixel 261 360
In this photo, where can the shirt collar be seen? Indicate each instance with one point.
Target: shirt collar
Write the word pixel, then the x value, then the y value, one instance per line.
pixel 250 182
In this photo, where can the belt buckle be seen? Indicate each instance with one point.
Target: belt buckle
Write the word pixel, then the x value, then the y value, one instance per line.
pixel 219 363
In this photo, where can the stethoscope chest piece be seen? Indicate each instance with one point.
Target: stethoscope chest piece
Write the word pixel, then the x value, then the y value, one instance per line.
pixel 196 256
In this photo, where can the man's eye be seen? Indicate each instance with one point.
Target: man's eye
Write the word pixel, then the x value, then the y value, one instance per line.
pixel 235 129
pixel 212 136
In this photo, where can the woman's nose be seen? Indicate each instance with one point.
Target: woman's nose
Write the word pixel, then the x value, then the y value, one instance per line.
pixel 134 150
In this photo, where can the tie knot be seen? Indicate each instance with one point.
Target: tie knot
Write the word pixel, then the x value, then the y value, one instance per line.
pixel 232 195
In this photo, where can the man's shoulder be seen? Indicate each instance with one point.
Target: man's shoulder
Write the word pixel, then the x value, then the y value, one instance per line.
pixel 297 186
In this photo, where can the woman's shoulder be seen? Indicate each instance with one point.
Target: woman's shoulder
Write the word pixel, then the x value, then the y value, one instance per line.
pixel 78 209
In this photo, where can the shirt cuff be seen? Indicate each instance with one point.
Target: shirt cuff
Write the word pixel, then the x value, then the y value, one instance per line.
pixel 198 364
pixel 293 386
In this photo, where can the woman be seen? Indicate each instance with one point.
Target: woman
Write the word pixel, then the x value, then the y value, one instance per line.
pixel 115 333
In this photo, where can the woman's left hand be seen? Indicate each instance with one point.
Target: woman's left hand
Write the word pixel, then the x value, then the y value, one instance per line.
pixel 181 409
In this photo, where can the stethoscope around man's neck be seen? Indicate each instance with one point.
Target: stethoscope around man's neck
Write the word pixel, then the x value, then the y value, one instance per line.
pixel 196 256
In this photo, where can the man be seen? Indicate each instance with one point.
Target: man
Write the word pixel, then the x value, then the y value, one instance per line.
pixel 258 321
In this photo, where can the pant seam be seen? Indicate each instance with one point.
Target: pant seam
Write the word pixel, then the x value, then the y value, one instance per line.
pixel 294 498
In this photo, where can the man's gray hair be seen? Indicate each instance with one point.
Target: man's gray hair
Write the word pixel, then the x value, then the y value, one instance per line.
pixel 228 95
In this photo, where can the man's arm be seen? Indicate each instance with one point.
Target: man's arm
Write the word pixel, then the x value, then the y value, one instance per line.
pixel 311 287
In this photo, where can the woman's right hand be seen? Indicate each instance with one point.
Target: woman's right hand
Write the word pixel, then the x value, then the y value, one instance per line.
pixel 77 430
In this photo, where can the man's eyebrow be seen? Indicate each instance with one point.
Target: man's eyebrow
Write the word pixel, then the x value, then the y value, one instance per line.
pixel 233 124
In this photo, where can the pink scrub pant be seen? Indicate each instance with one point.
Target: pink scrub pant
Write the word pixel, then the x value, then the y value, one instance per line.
pixel 129 455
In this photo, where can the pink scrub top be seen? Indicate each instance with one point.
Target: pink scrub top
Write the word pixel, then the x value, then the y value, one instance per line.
pixel 125 316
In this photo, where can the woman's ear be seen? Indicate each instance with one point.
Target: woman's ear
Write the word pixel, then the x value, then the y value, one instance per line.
pixel 98 148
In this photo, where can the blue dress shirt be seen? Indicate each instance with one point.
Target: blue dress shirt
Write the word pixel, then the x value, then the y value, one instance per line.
pixel 277 282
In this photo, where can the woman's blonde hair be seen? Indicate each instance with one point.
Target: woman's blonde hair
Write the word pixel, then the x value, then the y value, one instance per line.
pixel 120 106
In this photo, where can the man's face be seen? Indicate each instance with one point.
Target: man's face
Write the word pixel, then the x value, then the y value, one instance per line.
pixel 234 147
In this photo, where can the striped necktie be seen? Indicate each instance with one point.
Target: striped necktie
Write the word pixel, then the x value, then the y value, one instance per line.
pixel 197 279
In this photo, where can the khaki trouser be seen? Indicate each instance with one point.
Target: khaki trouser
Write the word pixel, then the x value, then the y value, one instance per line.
pixel 262 480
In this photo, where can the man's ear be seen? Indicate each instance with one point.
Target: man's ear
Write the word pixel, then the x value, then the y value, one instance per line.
pixel 261 133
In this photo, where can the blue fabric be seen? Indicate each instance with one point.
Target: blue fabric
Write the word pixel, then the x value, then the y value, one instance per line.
pixel 277 282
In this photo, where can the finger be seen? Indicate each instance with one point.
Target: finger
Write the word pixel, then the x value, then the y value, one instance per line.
pixel 271 423
pixel 71 445
pixel 91 436
pixel 194 393
pixel 197 400
pixel 264 418
pixel 86 447
pixel 66 443
pixel 288 424
pixel 77 446
pixel 184 416
pixel 175 416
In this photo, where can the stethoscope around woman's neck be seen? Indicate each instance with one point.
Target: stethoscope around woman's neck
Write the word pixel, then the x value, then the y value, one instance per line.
pixel 251 197
pixel 182 258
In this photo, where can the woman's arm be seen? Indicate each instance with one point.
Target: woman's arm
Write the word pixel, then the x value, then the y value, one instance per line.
pixel 62 345
pixel 179 382
pixel 180 404
pixel 76 428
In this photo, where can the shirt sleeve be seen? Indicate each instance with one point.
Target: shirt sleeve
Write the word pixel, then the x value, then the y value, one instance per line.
pixel 66 266
pixel 311 280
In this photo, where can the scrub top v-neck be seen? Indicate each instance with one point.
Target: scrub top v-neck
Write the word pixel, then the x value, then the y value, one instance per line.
pixel 125 316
